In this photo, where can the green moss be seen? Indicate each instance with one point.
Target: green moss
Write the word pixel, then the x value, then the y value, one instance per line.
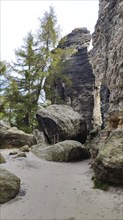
pixel 100 185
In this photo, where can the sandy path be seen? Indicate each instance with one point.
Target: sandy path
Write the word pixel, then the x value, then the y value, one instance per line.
pixel 58 191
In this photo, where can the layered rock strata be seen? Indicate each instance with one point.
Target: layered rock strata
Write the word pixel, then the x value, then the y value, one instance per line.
pixel 77 68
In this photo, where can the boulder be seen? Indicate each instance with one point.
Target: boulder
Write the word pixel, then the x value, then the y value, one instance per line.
pixel 21 154
pixel 13 153
pixel 65 151
pixel 9 185
pixel 61 122
pixel 2 159
pixel 11 137
pixel 25 148
pixel 108 165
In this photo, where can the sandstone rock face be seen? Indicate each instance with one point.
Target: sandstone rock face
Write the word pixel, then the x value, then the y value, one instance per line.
pixel 61 122
pixel 98 142
pixel 107 57
pixel 107 63
pixel 40 137
pixel 108 164
pixel 65 151
pixel 78 69
pixel 9 185
pixel 11 137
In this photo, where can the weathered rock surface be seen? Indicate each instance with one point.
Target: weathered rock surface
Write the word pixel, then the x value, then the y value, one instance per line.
pixel 107 57
pixel 61 122
pixel 77 68
pixel 40 137
pixel 25 148
pixel 65 151
pixel 107 63
pixel 9 185
pixel 97 142
pixel 108 164
pixel 21 154
pixel 2 159
pixel 11 137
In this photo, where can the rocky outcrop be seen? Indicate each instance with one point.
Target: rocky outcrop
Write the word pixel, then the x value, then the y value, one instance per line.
pixel 108 164
pixel 9 185
pixel 107 58
pixel 61 122
pixel 65 151
pixel 77 68
pixel 107 62
pixel 11 137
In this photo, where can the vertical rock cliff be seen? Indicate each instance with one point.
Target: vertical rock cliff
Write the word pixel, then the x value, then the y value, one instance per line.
pixel 107 60
pixel 107 64
pixel 77 67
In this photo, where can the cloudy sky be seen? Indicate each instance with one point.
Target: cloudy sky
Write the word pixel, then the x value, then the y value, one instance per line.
pixel 19 17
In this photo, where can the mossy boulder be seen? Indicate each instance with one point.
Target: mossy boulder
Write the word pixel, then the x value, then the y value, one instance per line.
pixel 9 185
pixel 108 165
pixel 65 151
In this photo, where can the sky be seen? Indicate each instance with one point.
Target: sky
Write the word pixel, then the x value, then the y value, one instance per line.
pixel 19 17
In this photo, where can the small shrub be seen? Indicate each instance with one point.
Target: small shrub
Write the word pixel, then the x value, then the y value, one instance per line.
pixel 100 185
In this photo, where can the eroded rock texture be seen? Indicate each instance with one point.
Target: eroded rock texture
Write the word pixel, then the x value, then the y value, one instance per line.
pixel 78 69
pixel 107 63
pixel 9 185
pixel 11 137
pixel 108 164
pixel 107 58
pixel 61 122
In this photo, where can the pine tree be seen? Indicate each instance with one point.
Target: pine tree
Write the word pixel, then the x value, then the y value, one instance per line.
pixel 29 71
pixel 27 85
pixel 49 31
pixel 37 63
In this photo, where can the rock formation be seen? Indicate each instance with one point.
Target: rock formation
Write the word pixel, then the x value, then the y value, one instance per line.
pixel 76 66
pixel 61 122
pixel 11 137
pixel 108 165
pixel 107 57
pixel 65 151
pixel 9 185
pixel 107 63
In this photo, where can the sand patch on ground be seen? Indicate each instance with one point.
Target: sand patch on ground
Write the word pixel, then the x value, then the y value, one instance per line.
pixel 58 191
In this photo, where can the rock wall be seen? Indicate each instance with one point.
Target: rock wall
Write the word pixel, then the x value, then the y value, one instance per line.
pixel 107 60
pixel 77 67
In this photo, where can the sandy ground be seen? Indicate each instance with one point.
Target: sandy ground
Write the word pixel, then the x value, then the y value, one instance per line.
pixel 58 191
